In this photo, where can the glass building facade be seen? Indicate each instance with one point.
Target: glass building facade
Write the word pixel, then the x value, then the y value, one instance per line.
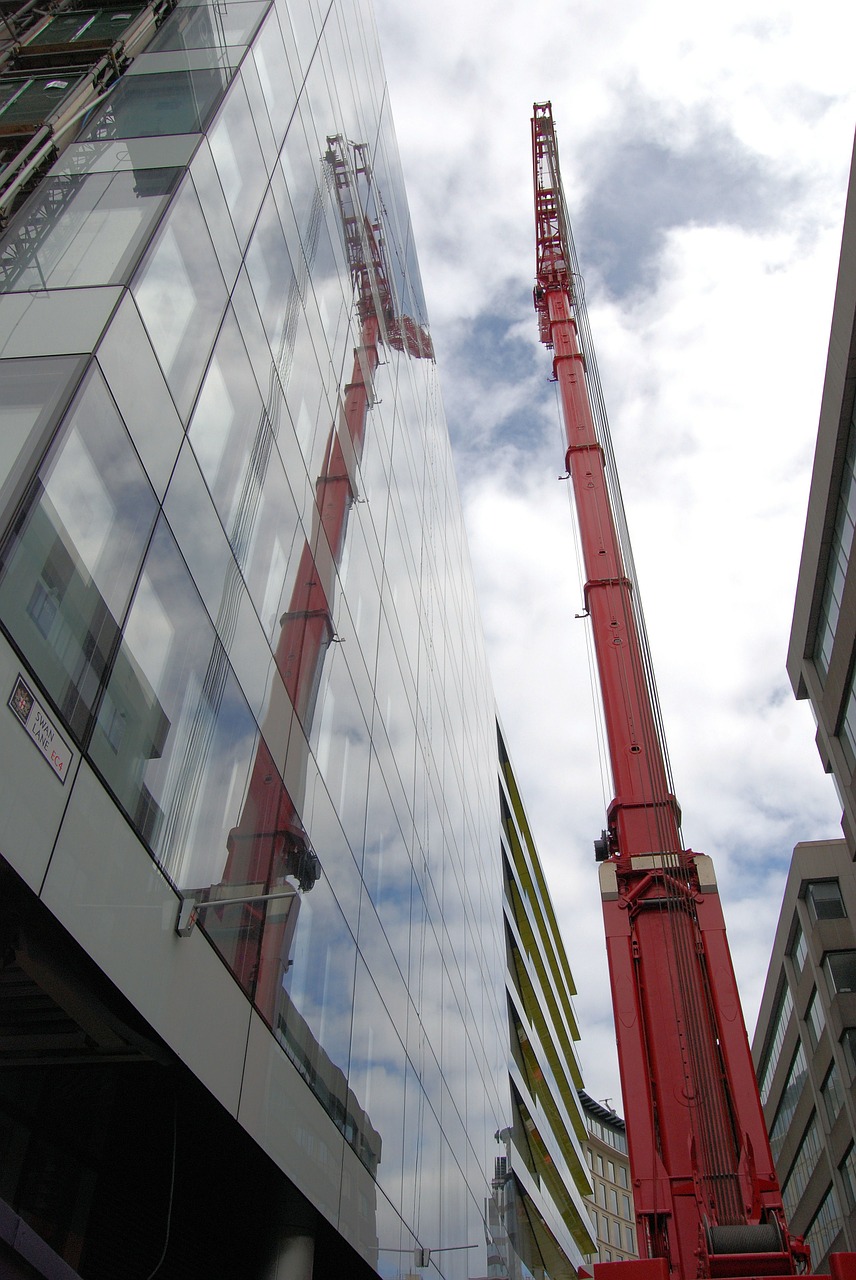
pixel 251 736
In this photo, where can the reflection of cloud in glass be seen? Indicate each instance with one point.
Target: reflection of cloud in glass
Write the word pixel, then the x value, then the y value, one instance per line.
pixel 169 317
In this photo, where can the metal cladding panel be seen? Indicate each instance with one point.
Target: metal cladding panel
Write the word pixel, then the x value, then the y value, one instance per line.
pixel 104 889
pixel 33 798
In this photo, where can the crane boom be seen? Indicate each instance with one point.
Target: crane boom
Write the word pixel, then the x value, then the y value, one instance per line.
pixel 707 1198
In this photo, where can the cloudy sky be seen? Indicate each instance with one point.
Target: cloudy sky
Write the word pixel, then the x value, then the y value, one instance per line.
pixel 705 153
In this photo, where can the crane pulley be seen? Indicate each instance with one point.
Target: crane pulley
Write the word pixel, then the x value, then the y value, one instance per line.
pixel 707 1198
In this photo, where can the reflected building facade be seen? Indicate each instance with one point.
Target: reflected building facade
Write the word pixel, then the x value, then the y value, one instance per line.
pixel 273 924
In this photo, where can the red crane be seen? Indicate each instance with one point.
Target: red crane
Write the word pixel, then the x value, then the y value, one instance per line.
pixel 707 1198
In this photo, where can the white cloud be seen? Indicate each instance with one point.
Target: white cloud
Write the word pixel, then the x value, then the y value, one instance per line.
pixel 712 379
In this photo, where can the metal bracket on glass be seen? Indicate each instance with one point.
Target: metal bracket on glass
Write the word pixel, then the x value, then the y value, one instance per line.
pixel 189 908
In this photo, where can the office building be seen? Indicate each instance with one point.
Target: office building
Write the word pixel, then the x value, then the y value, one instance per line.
pixel 611 1202
pixel 805 1048
pixel 281 980
pixel 823 636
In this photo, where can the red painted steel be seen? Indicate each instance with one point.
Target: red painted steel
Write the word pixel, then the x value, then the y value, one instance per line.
pixel 706 1195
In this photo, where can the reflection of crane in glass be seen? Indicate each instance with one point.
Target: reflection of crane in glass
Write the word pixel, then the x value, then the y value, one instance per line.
pixel 269 847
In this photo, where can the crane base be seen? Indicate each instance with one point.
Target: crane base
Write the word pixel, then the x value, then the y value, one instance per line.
pixel 842 1266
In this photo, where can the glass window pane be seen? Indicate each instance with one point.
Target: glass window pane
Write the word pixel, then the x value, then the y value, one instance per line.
pixel 315 1016
pixel 83 230
pixel 238 157
pixel 216 213
pixel 815 1018
pixel 72 557
pixel 234 445
pixel 181 296
pixel 163 103
pixel 31 395
pixel 204 27
pixel 375 1085
pixel 824 900
pixel 823 1229
pixel 798 950
pixel 269 55
pixel 180 761
pixel 841 971
pixel 848 1041
pixel 790 1097
pixel 139 390
pixel 833 1093
pixel 847 1168
pixel 62 322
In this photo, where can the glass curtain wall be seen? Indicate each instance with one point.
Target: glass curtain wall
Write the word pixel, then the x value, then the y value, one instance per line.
pixel 233 562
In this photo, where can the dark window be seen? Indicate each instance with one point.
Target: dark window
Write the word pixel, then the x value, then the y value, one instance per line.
pixel 848 1041
pixel 832 1093
pixel 840 969
pixel 824 900
pixel 847 1169
pixel 814 1018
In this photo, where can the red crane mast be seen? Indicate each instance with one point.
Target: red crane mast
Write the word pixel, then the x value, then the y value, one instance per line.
pixel 707 1198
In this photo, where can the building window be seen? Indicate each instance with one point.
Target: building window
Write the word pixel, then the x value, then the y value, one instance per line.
pixel 70 561
pixel 622 1174
pixel 832 1093
pixel 630 1237
pixel 848 1043
pixel 847 1169
pixel 610 1168
pixel 839 557
pixel 798 950
pixel 840 969
pixel 600 1192
pixel 847 731
pixel 92 228
pixel 627 1212
pixel 780 1021
pixel 790 1098
pixel 824 900
pixel 823 1229
pixel 814 1018
pixel 616 1232
pixel 803 1166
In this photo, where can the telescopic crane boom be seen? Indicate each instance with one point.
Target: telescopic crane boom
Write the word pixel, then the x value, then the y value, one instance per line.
pixel 707 1198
